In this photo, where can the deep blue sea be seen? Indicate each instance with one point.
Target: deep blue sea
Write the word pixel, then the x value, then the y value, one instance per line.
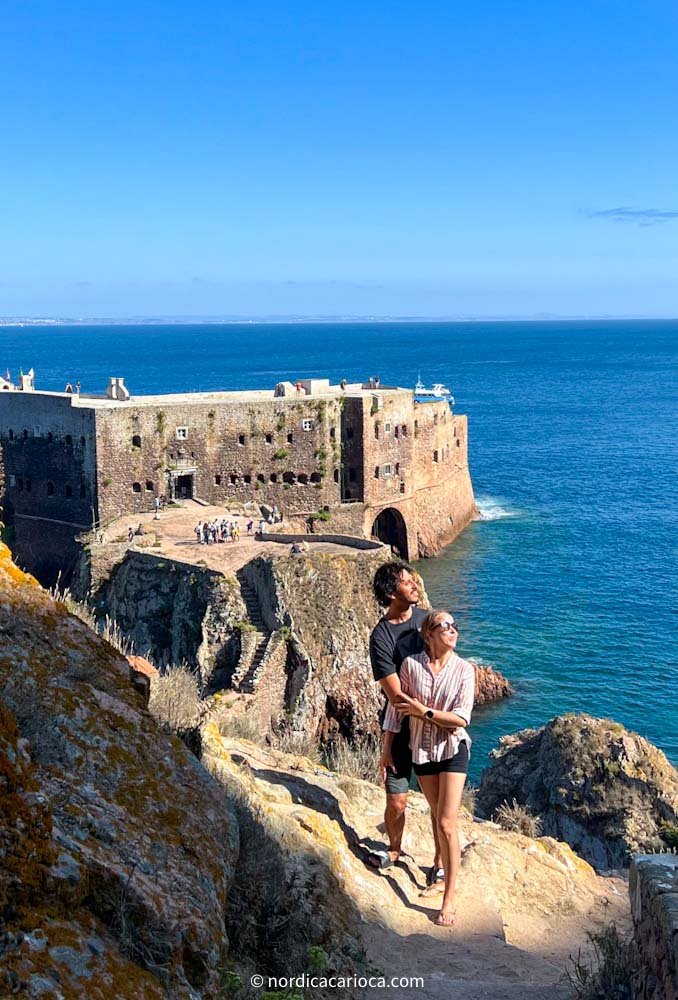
pixel 569 584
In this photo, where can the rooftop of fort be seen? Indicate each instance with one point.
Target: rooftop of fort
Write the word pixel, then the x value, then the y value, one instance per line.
pixel 117 393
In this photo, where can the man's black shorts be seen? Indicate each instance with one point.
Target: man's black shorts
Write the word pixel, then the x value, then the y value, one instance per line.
pixel 399 783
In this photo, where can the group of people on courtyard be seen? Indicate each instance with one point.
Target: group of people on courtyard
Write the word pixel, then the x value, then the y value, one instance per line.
pixel 212 532
pixel 429 699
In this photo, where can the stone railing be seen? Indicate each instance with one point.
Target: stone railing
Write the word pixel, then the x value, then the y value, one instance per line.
pixel 653 888
pixel 351 541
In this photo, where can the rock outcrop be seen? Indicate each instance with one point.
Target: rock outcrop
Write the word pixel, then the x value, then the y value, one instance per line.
pixel 604 790
pixel 118 849
pixel 173 612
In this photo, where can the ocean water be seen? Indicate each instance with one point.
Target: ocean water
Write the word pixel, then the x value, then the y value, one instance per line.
pixel 568 584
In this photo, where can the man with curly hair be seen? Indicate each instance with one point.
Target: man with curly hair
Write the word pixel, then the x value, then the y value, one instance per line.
pixel 395 637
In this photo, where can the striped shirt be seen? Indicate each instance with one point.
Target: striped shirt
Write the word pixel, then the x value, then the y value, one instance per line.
pixel 451 690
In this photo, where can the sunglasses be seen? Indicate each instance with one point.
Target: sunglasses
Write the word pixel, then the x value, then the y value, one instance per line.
pixel 446 627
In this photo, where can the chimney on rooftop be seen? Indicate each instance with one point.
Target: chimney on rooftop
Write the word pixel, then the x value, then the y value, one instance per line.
pixel 117 389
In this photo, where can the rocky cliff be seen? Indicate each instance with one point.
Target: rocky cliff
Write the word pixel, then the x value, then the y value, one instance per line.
pixel 604 790
pixel 290 632
pixel 118 849
pixel 123 873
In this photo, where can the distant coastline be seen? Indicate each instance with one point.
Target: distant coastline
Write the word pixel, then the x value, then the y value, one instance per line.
pixel 31 321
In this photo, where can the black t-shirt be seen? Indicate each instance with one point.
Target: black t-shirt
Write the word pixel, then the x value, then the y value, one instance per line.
pixel 390 644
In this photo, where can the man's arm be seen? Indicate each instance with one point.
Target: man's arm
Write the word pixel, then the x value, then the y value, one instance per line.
pixel 391 687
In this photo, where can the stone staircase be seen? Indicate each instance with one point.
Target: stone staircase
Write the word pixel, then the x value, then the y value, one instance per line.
pixel 253 644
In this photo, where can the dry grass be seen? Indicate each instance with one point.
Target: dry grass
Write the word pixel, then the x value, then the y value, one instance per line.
pixel 469 797
pixel 607 974
pixel 358 758
pixel 108 629
pixel 517 819
pixel 175 699
pixel 238 726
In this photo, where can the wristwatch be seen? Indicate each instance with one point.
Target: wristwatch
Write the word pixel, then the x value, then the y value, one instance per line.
pixel 429 713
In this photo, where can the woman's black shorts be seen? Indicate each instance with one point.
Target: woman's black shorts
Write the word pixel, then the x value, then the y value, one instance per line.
pixel 452 765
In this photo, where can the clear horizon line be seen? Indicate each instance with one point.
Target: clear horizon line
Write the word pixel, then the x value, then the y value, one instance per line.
pixel 153 319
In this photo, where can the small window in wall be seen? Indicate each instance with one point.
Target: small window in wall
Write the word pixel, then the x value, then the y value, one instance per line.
pixel 11 480
pixel 402 487
pixel 404 430
pixel 217 480
pixel 387 471
pixel 333 432
pixel 336 475
pixel 69 440
pixel 396 431
pixel 136 487
pixel 397 468
pixel 274 477
pixel 307 425
pixel 435 455
pixel 247 478
pixel 182 433
pixel 435 419
pixel 233 479
pixel 458 443
pixel 50 489
pixel 150 486
pixel 241 439
pixel 261 478
pixel 69 491
pixel 269 438
pixel 316 477
pixel 416 426
pixel 83 491
pixel 20 484
pixel 376 430
pixel 136 441
pixel 387 427
pixel 376 472
pixel 290 437
pixel 289 477
pixel 302 478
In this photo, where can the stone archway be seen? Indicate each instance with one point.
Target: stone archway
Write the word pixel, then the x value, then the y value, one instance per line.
pixel 389 527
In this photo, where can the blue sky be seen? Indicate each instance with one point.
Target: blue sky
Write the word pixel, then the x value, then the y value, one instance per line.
pixel 487 159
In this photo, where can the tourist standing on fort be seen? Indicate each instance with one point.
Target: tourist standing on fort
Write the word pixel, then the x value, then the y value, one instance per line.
pixel 197 531
pixel 395 637
pixel 437 693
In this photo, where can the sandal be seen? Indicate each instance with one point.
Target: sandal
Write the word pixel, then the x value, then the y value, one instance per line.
pixel 379 860
pixel 434 875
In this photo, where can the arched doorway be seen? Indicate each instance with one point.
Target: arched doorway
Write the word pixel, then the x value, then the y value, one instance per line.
pixel 389 527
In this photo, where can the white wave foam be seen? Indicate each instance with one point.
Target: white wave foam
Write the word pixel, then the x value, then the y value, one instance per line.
pixel 491 509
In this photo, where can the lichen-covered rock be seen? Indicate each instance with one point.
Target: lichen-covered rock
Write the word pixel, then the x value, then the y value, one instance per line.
pixel 604 790
pixel 119 849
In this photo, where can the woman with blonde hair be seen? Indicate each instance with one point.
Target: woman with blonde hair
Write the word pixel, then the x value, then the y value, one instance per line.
pixel 438 689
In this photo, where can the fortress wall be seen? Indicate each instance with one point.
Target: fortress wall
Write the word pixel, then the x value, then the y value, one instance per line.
pixel 388 441
pixel 49 457
pixel 275 446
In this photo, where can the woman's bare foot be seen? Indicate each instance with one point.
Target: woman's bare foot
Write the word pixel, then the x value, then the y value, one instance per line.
pixel 446 918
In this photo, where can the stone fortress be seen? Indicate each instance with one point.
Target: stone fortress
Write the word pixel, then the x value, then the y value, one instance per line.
pixel 376 461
